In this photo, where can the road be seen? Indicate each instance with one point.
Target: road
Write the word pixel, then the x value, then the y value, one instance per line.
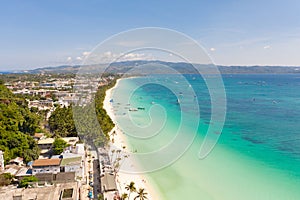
pixel 96 178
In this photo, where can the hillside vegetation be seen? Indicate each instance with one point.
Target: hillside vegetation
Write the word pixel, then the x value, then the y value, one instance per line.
pixel 17 125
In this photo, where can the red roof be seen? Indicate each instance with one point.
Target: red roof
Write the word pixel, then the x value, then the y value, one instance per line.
pixel 46 162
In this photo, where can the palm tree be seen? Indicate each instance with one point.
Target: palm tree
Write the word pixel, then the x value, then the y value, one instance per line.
pixel 141 194
pixel 131 188
pixel 124 196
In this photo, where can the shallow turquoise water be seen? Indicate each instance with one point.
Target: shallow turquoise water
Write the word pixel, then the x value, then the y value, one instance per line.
pixel 258 154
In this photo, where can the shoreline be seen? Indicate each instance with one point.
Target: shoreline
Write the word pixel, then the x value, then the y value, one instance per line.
pixel 120 140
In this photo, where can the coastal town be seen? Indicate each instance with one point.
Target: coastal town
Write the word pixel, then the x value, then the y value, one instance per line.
pixel 66 165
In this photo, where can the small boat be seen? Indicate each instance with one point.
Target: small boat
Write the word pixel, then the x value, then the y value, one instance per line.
pixel 141 108
pixel 178 101
pixel 133 109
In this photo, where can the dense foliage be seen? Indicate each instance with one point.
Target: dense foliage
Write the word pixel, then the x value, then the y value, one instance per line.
pixel 58 146
pixel 61 122
pixel 5 179
pixel 17 125
pixel 105 121
pixel 27 180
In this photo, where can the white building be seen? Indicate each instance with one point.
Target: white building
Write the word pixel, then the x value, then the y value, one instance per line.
pixel 46 166
pixel 79 149
pixel 72 163
pixel 1 161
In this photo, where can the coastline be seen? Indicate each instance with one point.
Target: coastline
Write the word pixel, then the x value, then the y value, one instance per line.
pixel 120 140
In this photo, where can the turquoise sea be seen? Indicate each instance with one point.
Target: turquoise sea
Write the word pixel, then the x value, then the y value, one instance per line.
pixel 257 155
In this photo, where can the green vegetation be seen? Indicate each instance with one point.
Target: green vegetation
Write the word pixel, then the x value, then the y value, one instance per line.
pixel 17 125
pixel 27 180
pixel 59 145
pixel 100 197
pixel 61 122
pixel 104 120
pixel 141 194
pixel 130 188
pixel 5 179
pixel 124 196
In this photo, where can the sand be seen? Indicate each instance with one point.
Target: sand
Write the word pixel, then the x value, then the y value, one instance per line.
pixel 124 178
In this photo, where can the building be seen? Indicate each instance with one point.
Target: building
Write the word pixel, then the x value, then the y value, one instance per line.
pixel 79 149
pixel 38 136
pixel 108 183
pixel 16 161
pixel 72 163
pixel 46 166
pixel 71 140
pixel 1 161
pixel 23 172
pixel 41 104
pixel 42 192
pixel 45 144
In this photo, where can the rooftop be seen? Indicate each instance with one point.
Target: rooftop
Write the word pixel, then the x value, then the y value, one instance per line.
pixel 38 135
pixel 46 141
pixel 70 161
pixel 23 172
pixel 46 162
pixel 71 140
pixel 108 182
pixel 16 160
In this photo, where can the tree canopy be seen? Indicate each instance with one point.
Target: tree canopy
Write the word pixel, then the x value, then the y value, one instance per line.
pixel 59 145
pixel 26 180
pixel 61 122
pixel 17 125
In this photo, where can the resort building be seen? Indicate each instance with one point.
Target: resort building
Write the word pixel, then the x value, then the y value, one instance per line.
pixel 72 163
pixel 46 166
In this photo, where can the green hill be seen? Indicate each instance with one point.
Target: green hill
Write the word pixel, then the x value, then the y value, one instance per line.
pixel 17 125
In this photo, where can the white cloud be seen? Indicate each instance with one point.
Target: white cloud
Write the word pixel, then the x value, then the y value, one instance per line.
pixel 212 49
pixel 267 47
pixel 78 58
pixel 108 57
pixel 86 53
pixel 69 59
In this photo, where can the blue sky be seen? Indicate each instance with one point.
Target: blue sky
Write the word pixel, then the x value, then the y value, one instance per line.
pixel 234 32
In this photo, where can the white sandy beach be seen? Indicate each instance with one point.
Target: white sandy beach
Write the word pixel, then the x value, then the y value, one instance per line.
pixel 123 179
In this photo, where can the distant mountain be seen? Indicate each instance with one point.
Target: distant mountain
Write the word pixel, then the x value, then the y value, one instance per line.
pixel 157 67
pixel 5 72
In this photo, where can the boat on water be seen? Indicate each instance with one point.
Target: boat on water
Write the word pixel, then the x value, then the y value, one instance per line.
pixel 133 109
pixel 141 108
